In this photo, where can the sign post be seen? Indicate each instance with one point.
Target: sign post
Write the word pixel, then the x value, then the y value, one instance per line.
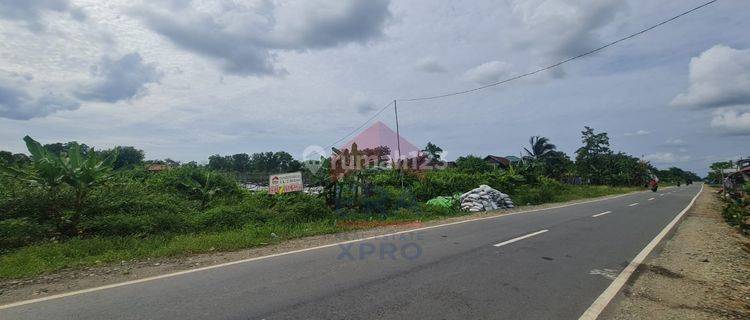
pixel 283 183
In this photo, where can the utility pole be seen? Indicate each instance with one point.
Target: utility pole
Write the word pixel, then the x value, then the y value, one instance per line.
pixel 398 145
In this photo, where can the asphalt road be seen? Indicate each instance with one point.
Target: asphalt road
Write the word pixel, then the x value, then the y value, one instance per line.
pixel 507 267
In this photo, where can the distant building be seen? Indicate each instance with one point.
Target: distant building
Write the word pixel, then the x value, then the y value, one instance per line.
pixel 498 162
pixel 157 167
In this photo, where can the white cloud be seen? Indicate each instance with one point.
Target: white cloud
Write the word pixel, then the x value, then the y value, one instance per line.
pixel 429 65
pixel 488 72
pixel 637 133
pixel 675 142
pixel 733 121
pixel 666 158
pixel 719 77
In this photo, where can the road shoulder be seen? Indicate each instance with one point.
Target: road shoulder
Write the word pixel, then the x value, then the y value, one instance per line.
pixel 701 272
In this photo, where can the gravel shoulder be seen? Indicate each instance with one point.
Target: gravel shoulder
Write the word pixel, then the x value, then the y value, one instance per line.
pixel 701 272
pixel 91 277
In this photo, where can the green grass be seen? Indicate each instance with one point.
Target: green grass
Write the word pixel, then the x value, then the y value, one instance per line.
pixel 44 258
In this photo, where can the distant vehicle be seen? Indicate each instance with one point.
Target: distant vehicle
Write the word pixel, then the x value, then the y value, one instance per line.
pixel 689 182
pixel 653 184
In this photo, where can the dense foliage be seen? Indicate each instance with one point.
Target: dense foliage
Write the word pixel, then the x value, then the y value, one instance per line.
pixel 71 193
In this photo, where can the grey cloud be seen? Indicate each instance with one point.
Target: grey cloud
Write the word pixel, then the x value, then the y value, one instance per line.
pixel 119 79
pixel 429 65
pixel 562 29
pixel 244 40
pixel 719 77
pixel 29 12
pixel 18 104
pixel 488 72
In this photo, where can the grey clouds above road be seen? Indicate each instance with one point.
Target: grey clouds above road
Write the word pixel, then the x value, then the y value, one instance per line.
pixel 185 79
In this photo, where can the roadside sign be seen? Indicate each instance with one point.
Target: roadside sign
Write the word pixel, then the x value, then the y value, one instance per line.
pixel 729 170
pixel 283 183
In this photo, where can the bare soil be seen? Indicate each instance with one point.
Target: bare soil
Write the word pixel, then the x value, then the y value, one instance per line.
pixel 91 277
pixel 701 272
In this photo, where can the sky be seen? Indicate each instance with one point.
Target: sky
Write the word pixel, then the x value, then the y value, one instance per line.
pixel 188 79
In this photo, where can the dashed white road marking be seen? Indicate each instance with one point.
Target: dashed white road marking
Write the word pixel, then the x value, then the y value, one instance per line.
pixel 520 238
pixel 601 214
pixel 603 300
pixel 661 195
pixel 633 204
pixel 610 274
pixel 651 199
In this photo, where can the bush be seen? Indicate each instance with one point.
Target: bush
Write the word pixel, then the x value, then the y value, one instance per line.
pixel 134 198
pixel 299 208
pixel 16 233
pixel 224 217
pixel 547 190
pixel 175 180
pixel 137 225
pixel 387 199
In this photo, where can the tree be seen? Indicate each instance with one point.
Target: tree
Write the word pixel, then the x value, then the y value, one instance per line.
pixel 127 157
pixel 715 175
pixel 217 162
pixel 433 153
pixel 72 168
pixel 472 164
pixel 557 165
pixel 241 162
pixel 592 160
pixel 540 147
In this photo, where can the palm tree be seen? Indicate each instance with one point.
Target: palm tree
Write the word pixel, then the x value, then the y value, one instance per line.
pixel 540 147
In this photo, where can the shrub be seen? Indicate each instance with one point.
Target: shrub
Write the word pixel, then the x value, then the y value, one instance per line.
pixel 547 190
pixel 298 208
pixel 387 199
pixel 181 180
pixel 136 225
pixel 224 217
pixel 134 198
pixel 20 232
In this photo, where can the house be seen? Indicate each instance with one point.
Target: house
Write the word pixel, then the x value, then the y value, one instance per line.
pixel 157 167
pixel 497 161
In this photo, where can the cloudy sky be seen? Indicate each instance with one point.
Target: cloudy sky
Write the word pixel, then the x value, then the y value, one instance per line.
pixel 185 80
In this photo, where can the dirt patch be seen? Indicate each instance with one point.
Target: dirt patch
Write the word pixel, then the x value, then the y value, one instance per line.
pixel 90 277
pixel 702 272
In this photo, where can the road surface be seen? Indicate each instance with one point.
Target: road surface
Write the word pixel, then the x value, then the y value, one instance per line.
pixel 549 264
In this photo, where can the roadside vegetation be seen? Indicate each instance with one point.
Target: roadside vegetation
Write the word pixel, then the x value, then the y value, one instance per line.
pixel 68 205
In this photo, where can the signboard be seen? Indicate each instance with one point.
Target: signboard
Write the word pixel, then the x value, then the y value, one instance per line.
pixel 283 183
pixel 729 170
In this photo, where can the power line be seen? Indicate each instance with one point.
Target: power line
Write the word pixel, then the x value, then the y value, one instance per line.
pixel 563 61
pixel 363 124
pixel 445 95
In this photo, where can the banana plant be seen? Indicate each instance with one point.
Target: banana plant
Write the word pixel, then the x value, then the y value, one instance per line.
pixel 72 168
pixel 201 188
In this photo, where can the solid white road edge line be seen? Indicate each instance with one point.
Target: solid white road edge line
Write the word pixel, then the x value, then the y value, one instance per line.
pixel 614 288
pixel 633 204
pixel 520 238
pixel 169 275
pixel 601 214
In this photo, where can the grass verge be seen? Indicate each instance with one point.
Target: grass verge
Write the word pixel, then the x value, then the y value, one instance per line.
pixel 44 258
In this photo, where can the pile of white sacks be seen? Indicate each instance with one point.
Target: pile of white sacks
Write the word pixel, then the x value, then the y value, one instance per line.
pixel 485 198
